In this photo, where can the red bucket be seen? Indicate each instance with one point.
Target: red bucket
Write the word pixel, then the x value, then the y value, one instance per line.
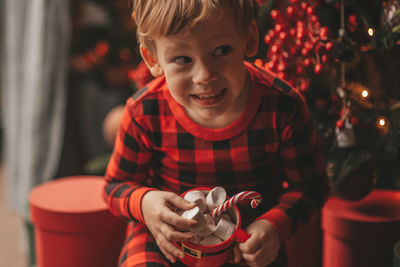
pixel 361 233
pixel 73 226
pixel 215 255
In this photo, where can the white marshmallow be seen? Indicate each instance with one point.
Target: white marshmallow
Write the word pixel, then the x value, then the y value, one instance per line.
pixel 210 240
pixel 208 228
pixel 224 215
pixel 197 215
pixel 224 229
pixel 197 197
pixel 215 197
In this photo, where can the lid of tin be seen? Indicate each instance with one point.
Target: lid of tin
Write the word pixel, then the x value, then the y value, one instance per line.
pixel 377 214
pixel 71 204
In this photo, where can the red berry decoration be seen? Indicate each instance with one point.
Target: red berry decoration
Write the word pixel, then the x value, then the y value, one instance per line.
pixel 317 68
pixel 297 36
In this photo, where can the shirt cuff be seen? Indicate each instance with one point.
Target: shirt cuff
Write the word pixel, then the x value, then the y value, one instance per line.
pixel 281 222
pixel 135 202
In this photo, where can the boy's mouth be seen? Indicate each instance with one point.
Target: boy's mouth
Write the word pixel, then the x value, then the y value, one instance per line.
pixel 209 99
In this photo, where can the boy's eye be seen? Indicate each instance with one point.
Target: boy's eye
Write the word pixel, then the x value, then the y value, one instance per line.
pixel 182 60
pixel 222 50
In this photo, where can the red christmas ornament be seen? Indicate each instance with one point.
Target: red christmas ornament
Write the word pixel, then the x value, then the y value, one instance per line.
pixel 340 124
pixel 352 23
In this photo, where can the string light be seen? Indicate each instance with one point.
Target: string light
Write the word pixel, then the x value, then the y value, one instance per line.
pixel 364 93
pixel 370 32
pixel 382 122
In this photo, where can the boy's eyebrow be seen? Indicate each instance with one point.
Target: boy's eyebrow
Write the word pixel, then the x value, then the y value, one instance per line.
pixel 169 49
pixel 178 44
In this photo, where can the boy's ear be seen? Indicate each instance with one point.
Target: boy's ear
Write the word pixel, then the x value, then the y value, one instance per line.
pixel 252 40
pixel 151 62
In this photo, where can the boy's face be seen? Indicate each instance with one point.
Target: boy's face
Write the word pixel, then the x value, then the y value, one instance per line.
pixel 204 68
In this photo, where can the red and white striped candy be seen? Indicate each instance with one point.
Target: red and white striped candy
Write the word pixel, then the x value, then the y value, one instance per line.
pixel 254 196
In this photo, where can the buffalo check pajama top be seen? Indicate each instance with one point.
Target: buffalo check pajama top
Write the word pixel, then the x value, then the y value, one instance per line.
pixel 271 149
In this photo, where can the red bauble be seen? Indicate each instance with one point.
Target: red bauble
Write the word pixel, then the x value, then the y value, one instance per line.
pixel 352 25
pixel 340 124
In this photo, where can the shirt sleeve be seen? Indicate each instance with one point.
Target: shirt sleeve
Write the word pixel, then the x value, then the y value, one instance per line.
pixel 303 167
pixel 127 171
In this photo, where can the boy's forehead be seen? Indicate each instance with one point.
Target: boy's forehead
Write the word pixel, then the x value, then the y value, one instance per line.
pixel 202 34
pixel 217 27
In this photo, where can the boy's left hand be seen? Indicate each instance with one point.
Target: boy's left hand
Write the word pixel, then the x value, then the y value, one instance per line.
pixel 262 247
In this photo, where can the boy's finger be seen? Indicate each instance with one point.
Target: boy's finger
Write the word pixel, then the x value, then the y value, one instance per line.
pixel 250 246
pixel 181 203
pixel 178 221
pixel 237 254
pixel 173 250
pixel 173 235
pixel 168 255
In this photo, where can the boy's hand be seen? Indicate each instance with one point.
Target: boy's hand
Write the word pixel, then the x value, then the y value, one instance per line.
pixel 262 247
pixel 158 212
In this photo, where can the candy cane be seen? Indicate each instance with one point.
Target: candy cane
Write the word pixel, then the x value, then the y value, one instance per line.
pixel 254 196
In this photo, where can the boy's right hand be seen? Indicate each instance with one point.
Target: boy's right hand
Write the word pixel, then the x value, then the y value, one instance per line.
pixel 158 209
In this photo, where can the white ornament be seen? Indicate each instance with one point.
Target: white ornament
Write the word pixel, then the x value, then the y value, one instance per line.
pixel 345 136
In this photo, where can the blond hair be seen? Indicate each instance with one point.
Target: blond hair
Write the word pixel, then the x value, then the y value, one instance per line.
pixel 155 18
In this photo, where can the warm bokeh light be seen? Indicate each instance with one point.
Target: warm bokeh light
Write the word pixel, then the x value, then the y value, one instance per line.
pixel 365 93
pixel 371 32
pixel 101 48
pixel 382 124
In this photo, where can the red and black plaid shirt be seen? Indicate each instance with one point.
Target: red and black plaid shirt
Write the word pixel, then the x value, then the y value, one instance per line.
pixel 159 146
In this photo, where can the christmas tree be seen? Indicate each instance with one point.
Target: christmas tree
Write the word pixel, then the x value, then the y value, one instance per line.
pixel 344 58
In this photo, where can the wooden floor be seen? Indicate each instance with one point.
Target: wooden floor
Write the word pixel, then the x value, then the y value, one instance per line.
pixel 13 241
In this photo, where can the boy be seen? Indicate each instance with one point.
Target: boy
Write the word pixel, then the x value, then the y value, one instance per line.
pixel 210 119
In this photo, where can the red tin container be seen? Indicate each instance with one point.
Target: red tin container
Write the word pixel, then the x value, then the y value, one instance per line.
pixel 217 255
pixel 361 233
pixel 72 224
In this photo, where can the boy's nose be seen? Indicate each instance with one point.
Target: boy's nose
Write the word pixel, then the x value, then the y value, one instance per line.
pixel 204 74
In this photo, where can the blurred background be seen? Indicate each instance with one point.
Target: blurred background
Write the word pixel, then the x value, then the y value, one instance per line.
pixel 67 68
